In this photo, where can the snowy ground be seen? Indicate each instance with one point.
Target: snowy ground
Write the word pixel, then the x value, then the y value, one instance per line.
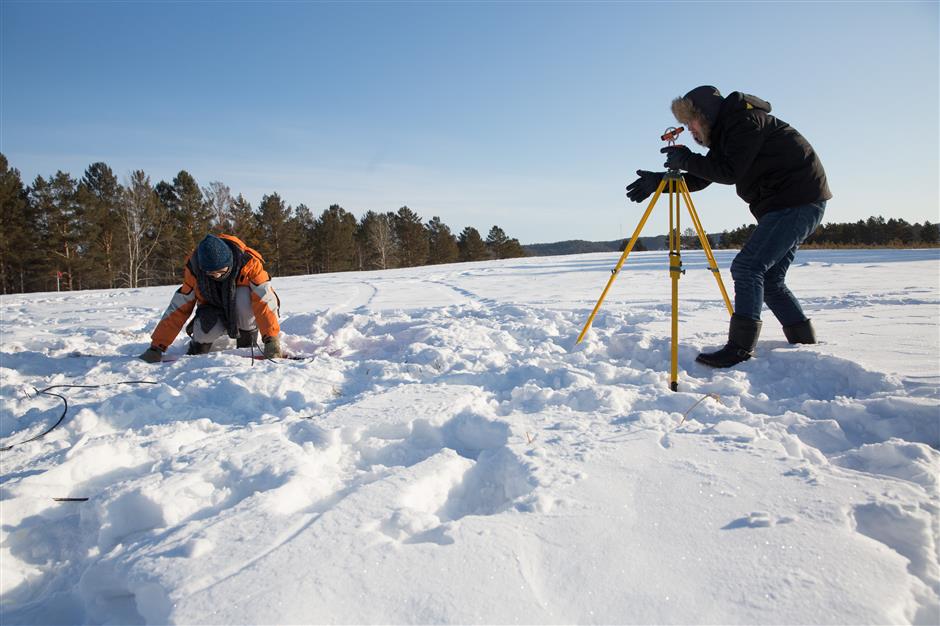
pixel 448 454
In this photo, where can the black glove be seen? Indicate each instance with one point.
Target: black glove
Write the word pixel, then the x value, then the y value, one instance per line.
pixel 677 157
pixel 152 355
pixel 641 189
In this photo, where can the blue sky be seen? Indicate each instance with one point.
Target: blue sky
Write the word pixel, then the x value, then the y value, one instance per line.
pixel 532 116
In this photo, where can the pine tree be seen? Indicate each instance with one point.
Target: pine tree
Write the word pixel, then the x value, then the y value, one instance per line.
pixel 929 233
pixel 246 223
pixel 165 261
pixel 876 230
pixel 513 249
pixel 412 238
pixel 43 208
pixel 59 220
pixel 278 243
pixel 442 245
pixel 334 240
pixel 18 241
pixel 99 193
pixel 303 224
pixel 500 246
pixel 192 215
pixel 737 237
pixel 470 245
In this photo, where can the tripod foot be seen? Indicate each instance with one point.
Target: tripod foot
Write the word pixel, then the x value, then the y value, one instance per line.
pixel 674 386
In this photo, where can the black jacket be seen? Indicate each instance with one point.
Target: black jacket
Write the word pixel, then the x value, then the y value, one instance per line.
pixel 772 166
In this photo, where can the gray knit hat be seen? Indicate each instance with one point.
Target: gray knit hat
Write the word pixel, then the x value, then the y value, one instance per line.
pixel 213 254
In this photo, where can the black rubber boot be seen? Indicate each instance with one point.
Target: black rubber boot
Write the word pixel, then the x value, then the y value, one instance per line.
pixel 800 333
pixel 246 338
pixel 742 339
pixel 198 348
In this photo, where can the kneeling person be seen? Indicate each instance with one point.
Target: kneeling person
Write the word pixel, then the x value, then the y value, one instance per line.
pixel 226 282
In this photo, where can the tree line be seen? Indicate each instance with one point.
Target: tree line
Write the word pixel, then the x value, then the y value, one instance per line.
pixel 873 232
pixel 96 232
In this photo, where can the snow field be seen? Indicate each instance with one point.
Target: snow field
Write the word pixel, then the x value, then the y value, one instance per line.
pixel 449 454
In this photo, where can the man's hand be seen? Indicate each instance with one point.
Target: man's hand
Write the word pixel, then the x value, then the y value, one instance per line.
pixel 677 157
pixel 641 189
pixel 152 355
pixel 272 347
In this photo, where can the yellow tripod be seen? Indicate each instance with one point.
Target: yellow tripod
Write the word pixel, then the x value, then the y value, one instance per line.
pixel 677 189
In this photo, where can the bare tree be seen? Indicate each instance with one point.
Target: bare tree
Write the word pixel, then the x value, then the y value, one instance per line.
pixel 378 240
pixel 219 197
pixel 144 219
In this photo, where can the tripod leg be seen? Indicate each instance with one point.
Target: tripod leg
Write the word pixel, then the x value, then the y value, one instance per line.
pixel 623 257
pixel 712 264
pixel 675 270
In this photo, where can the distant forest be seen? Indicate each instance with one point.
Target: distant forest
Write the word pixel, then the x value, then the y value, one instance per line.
pixel 873 232
pixel 97 233
pixel 93 233
pixel 870 233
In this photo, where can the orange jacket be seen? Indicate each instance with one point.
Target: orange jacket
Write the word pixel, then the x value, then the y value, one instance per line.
pixel 264 302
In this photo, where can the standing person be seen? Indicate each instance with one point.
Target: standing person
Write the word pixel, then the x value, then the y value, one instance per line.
pixel 226 282
pixel 775 171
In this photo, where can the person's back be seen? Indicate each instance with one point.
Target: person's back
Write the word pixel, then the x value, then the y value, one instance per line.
pixel 785 170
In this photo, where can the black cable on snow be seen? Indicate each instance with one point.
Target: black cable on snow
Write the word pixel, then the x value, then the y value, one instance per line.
pixel 65 408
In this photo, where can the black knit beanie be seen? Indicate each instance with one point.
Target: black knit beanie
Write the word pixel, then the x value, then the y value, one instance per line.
pixel 213 254
pixel 706 99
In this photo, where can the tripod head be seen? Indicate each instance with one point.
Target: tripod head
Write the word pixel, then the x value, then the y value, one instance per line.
pixel 670 136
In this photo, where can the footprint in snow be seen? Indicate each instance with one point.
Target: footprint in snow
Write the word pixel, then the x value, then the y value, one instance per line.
pixel 757 519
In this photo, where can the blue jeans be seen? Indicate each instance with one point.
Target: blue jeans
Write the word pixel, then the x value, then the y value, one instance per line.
pixel 761 266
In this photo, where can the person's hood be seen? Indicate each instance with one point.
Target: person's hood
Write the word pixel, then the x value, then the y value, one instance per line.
pixel 706 104
pixel 738 101
pixel 702 103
